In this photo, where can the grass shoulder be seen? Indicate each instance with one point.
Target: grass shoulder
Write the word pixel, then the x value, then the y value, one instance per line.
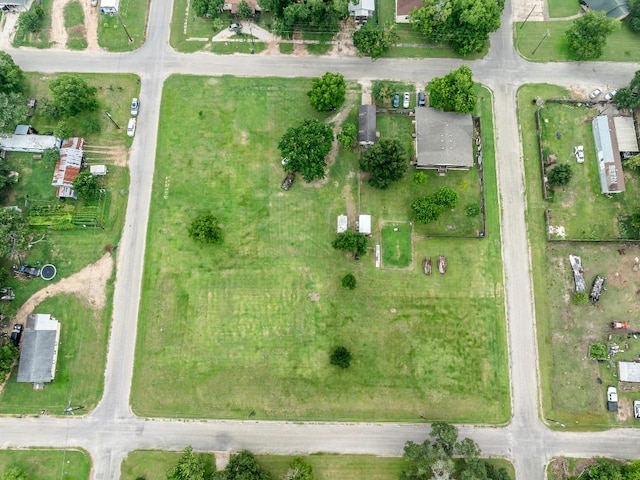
pixel 48 464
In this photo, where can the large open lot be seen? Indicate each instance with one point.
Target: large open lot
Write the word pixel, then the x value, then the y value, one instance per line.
pixel 246 328
pixel 573 385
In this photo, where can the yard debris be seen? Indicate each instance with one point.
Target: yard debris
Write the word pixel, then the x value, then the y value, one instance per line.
pixel 426 265
pixel 288 181
pixel 578 273
pixel 314 297
pixel 559 231
pixel 619 325
pixel 6 294
pixel 596 289
pixel 442 264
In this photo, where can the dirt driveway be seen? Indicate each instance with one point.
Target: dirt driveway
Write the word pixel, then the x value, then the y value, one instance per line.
pixel 58 34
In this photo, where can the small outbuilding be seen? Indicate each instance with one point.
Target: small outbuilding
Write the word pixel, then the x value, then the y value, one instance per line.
pixel 343 224
pixel 608 155
pixel 39 352
pixel 629 372
pixel 626 135
pixel 98 170
pixel 364 224
pixel 109 6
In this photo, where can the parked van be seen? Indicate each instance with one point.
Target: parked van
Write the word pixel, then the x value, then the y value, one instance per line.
pixel 131 127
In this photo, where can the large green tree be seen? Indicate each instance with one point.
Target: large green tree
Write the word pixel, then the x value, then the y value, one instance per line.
pixel 32 19
pixel 13 232
pixel 205 228
pixel 351 242
pixel 454 92
pixel 374 40
pixel 8 355
pixel 242 466
pixel 634 16
pixel 327 93
pixel 588 34
pixel 85 186
pixel 13 110
pixel 211 8
pixel 386 161
pixel 190 466
pixel 560 175
pixel 311 15
pixel 305 148
pixel 629 97
pixel 71 95
pixel 464 24
pixel 11 76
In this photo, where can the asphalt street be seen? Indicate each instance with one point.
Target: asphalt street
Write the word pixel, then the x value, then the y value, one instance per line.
pixel 111 430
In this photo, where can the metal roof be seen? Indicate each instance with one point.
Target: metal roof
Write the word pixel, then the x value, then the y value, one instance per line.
pixel 39 350
pixel 629 372
pixel 626 134
pixel 367 129
pixel 443 139
pixel 364 224
pixel 28 143
pixel 618 9
pixel 607 155
pixel 68 166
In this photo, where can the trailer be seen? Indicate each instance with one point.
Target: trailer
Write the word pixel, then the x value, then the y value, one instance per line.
pixel 619 325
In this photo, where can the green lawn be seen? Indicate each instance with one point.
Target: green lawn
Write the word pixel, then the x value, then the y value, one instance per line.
pixel 48 464
pixel 40 39
pixel 563 8
pixel 396 245
pixel 113 36
pixel 266 307
pixel 74 24
pixel 622 46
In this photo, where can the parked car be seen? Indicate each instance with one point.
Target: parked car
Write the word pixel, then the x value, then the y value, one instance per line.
pixel 595 93
pixel 612 399
pixel 27 270
pixel 406 100
pixel 288 181
pixel 131 127
pixel 421 99
pixel 396 100
pixel 135 107
pixel 579 153
pixel 16 334
pixel 636 408
pixel 609 95
pixel 235 27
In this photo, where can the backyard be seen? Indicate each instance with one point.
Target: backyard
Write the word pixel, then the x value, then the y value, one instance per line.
pixel 266 307
pixel 565 330
pixel 48 464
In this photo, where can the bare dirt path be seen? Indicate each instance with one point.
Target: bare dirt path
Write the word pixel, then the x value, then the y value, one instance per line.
pixel 90 25
pixel 89 284
pixel 58 34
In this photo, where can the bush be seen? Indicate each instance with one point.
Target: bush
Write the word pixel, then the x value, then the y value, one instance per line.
pixel 579 298
pixel 51 155
pixel 349 281
pixel 472 209
pixel 419 178
pixel 341 357
pixel 205 228
pixel 560 175
pixel 598 351
pixel 90 125
pixel 63 130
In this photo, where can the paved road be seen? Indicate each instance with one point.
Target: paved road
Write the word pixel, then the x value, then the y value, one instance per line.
pixel 111 431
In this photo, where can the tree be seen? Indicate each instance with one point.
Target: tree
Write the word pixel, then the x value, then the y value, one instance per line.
pixel 11 76
pixel 189 467
pixel 632 471
pixel 13 232
pixel 327 93
pixel 426 209
pixel 634 16
pixel 63 129
pixel 306 147
pixel 244 10
pixel 632 162
pixel 242 466
pixel 351 242
pixel 598 351
pixel 604 470
pixel 211 8
pixel 472 209
pixel 418 458
pixel 50 155
pixel 445 197
pixel 445 436
pixel 560 175
pixel 341 357
pixel 86 186
pixel 8 355
pixel 299 470
pixel 374 40
pixel 314 15
pixel 624 98
pixel 454 92
pixel 349 281
pixel 419 178
pixel 206 228
pixel 386 161
pixel 588 34
pixel 13 110
pixel 14 472
pixel 348 134
pixel 31 20
pixel 72 95
pixel 382 92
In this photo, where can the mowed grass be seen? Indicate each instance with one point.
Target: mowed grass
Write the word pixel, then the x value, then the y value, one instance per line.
pixel 48 464
pixel 623 45
pixel 112 35
pixel 81 360
pixel 396 245
pixel 248 326
pixel 74 24
pixel 563 8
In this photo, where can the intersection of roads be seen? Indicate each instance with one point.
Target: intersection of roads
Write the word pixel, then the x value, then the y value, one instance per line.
pixel 111 431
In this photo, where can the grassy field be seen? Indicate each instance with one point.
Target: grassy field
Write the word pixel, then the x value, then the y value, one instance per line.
pixel 622 46
pixel 580 207
pixel 40 39
pixel 563 8
pixel 571 392
pixel 48 464
pixel 74 24
pixel 396 245
pixel 112 35
pixel 266 307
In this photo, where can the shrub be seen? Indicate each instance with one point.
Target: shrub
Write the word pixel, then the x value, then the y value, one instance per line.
pixel 472 209
pixel 598 351
pixel 90 125
pixel 205 228
pixel 419 178
pixel 63 130
pixel 349 281
pixel 341 357
pixel 579 298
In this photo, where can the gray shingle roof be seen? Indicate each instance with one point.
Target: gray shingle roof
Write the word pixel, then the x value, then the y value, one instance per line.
pixel 443 139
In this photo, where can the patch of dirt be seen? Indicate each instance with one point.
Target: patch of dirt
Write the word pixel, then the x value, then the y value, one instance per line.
pixel 314 297
pixel 244 137
pixel 273 48
pixel 91 25
pixel 350 203
pixel 616 279
pixel 114 154
pixel 299 48
pixel 343 41
pixel 560 467
pixel 89 285
pixel 222 459
pixel 58 34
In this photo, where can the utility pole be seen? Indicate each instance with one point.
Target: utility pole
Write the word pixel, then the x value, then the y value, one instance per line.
pixel 525 20
pixel 125 28
pixel 546 35
pixel 112 120
pixel 252 44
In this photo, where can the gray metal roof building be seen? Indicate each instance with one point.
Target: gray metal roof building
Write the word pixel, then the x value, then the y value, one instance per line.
pixel 444 140
pixel 629 372
pixel 618 9
pixel 626 134
pixel 39 350
pixel 367 126
pixel 608 155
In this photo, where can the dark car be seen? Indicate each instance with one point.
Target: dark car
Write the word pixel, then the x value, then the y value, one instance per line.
pixel 16 334
pixel 396 100
pixel 421 99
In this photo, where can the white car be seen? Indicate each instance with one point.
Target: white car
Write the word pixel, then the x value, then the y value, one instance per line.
pixel 131 127
pixel 579 153
pixel 595 93
pixel 135 107
pixel 406 100
pixel 609 95
pixel 612 399
pixel 636 408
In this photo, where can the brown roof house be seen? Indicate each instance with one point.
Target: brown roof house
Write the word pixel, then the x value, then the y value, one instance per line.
pixel 68 167
pixel 405 7
pixel 232 6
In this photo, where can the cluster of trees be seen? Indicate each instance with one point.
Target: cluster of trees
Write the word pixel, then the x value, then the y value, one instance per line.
pixel 86 186
pixel 386 162
pixel 8 355
pixel 560 175
pixel 435 459
pixel 309 15
pixel 607 470
pixel 634 16
pixel 375 40
pixel 13 104
pixel 328 92
pixel 31 20
pixel 205 228
pixel 462 24
pixel 629 97
pixel 454 92
pixel 383 92
pixel 588 34
pixel 13 233
pixel 207 8
pixel 305 148
pixel 349 241
pixel 428 208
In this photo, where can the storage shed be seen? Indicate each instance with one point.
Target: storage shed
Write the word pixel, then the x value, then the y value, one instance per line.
pixel 629 372
pixel 98 170
pixel 608 155
pixel 109 6
pixel 343 224
pixel 364 224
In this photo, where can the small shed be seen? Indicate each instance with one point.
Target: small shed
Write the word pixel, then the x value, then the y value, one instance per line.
pixel 629 372
pixel 364 224
pixel 343 224
pixel 626 135
pixel 109 6
pixel 367 129
pixel 98 170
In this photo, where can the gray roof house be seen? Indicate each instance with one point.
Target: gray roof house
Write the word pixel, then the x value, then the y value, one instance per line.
pixel 13 4
pixel 367 134
pixel 629 372
pixel 444 140
pixel 617 9
pixel 39 351
pixel 608 155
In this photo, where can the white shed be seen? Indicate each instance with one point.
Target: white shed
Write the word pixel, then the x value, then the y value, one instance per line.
pixel 629 372
pixel 343 223
pixel 109 6
pixel 364 224
pixel 98 170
